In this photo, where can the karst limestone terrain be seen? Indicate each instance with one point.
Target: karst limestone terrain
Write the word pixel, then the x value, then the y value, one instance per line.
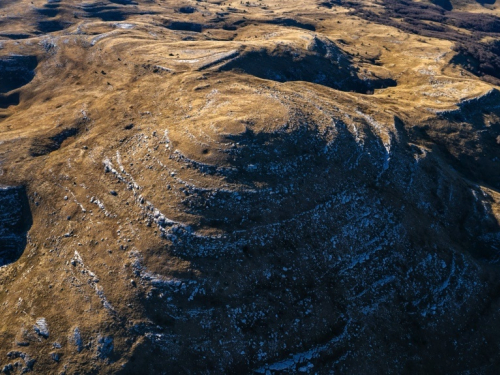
pixel 249 187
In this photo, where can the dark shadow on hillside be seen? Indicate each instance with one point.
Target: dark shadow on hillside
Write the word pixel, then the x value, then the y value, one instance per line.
pixel 8 100
pixel 445 4
pixel 185 26
pixel 105 13
pixel 187 9
pixel 15 222
pixel 16 71
pixel 112 13
pixel 289 22
pixel 302 158
pixel 294 225
pixel 45 145
pixel 49 10
pixel 479 58
pixel 54 139
pixel 45 27
pixel 123 2
pixel 15 36
pixel 111 16
pixel 325 65
pixel 469 144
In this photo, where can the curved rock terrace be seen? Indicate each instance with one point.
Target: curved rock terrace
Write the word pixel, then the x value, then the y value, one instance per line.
pixel 249 187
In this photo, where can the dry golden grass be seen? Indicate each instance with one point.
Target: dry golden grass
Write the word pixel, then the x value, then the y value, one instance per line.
pixel 135 107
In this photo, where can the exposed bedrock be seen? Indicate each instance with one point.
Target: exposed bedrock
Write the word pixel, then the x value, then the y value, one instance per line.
pixel 351 242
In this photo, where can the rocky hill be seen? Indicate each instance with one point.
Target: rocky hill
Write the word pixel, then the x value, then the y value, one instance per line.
pixel 249 187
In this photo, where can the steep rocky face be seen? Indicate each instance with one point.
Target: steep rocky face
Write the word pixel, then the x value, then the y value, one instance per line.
pixel 271 188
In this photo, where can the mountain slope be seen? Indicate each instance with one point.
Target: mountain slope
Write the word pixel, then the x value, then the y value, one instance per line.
pixel 249 187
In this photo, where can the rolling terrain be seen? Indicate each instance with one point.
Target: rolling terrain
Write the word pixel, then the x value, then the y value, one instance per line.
pixel 249 187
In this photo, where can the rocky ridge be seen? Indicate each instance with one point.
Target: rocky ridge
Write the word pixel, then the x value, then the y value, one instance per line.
pixel 270 188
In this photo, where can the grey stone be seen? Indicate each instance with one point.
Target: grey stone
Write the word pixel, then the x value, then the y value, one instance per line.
pixel 41 327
